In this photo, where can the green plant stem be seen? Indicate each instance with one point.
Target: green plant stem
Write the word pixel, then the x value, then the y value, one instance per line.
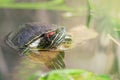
pixel 89 16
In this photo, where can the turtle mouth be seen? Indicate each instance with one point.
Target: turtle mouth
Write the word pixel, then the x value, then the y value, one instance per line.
pixel 66 43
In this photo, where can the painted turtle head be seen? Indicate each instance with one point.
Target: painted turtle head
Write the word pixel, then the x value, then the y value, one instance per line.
pixel 39 36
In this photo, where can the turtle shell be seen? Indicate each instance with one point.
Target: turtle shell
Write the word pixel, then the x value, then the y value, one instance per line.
pixel 27 33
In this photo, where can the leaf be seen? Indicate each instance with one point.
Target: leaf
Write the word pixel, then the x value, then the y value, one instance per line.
pixel 73 74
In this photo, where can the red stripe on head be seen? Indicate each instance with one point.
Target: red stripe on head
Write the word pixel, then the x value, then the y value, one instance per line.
pixel 50 34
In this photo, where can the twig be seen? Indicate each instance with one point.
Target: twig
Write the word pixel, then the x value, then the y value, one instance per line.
pixel 114 40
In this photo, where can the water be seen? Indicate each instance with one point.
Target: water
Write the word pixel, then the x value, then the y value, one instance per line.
pixel 98 54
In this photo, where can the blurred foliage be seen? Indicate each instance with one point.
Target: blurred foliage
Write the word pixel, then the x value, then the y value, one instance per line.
pixel 89 16
pixel 106 16
pixel 116 25
pixel 32 77
pixel 50 5
pixel 72 74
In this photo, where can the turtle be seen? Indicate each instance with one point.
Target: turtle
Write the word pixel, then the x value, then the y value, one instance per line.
pixel 42 43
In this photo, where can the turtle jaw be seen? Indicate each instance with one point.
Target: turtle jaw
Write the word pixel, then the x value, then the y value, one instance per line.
pixel 66 44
